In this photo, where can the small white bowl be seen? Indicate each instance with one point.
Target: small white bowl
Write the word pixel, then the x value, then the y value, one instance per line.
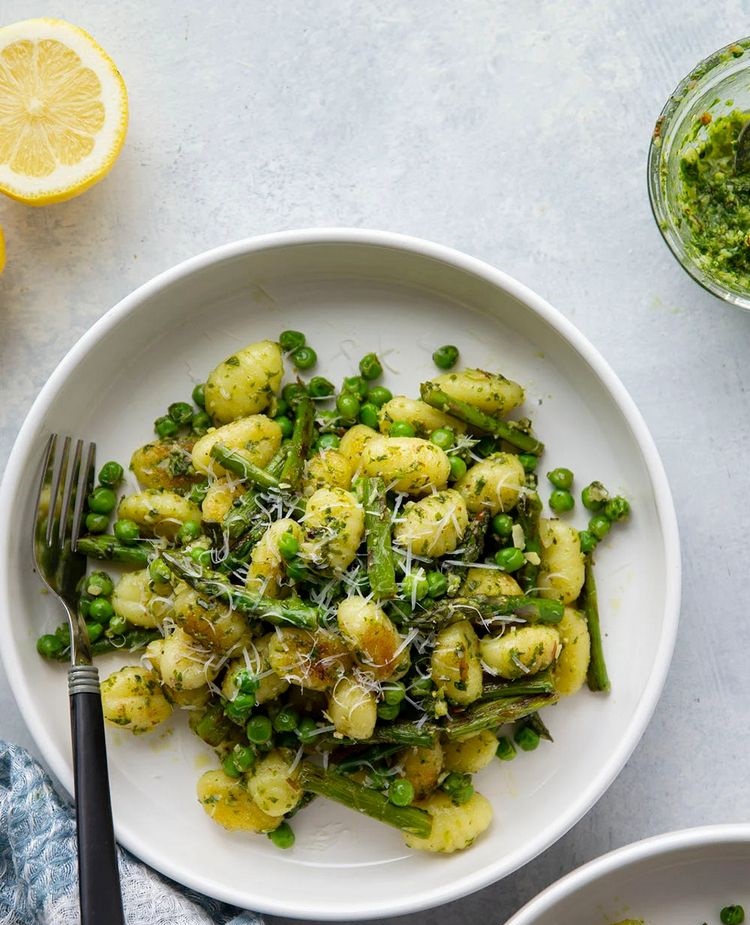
pixel 680 878
pixel 352 292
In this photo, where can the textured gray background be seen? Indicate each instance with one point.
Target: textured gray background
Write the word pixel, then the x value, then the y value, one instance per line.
pixel 516 132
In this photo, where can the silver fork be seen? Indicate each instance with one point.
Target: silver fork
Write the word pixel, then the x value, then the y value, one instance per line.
pixel 65 483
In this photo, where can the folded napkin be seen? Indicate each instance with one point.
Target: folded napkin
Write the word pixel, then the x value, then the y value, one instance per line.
pixel 38 866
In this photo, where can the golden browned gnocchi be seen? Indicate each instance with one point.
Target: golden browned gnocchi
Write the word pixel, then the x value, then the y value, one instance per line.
pixel 370 634
pixel 573 662
pixel 272 784
pixel 408 464
pixel 254 661
pixel 520 651
pixel 158 513
pixel 256 438
pixel 454 826
pixel 352 708
pixel 433 526
pixel 245 382
pixel 228 802
pixel 165 464
pixel 137 600
pixel 314 660
pixel 493 484
pixel 470 755
pixel 334 524
pixel 212 623
pixel 265 572
pixel 456 664
pixel 562 567
pixel 133 699
pixel 422 417
pixel 327 469
pixel 490 392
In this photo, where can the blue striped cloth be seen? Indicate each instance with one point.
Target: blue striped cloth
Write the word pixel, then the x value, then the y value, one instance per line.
pixel 38 867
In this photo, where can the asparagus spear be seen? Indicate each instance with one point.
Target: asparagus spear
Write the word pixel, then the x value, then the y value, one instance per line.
pixel 485 609
pixel 239 518
pixel 473 545
pixel 289 612
pixel 364 800
pixel 211 725
pixel 536 723
pixel 242 467
pixel 104 546
pixel 541 683
pixel 380 566
pixel 529 508
pixel 368 757
pixel 510 431
pixel 489 715
pixel 597 677
pixel 299 447
pixel 130 641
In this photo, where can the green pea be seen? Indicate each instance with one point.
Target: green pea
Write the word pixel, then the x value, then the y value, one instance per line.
pixel 458 787
pixel 307 730
pixel 288 546
pixel 50 646
pixel 528 461
pixel 201 556
pixel 281 407
pixel 126 531
pixel 94 631
pixel 368 414
pixel 243 756
pixel 63 633
pixel 421 687
pixel 98 584
pixel 401 429
pixel 485 447
pixel 561 478
pixel 510 559
pixel 445 357
pixel 328 441
pixel 502 525
pixel 286 425
pixel 320 387
pixel 594 497
pixel 600 526
pixel 97 523
pixel 388 711
pixel 189 531
pixel 527 738
pixel 117 626
pixel 180 412
pixel 393 692
pixel 561 501
pixel 100 610
pixel 377 780
pixel 458 468
pixel 588 541
pixel 292 392
pixel 379 395
pixel 200 423
pixel 370 367
pixel 198 493
pixel 414 580
pixel 304 357
pixel 348 406
pixel 732 915
pixel 506 750
pixel 259 729
pixel 282 836
pixel 229 767
pixel 102 500
pixel 159 572
pixel 199 395
pixel 246 682
pixel 356 384
pixel 84 602
pixel 292 340
pixel 111 474
pixel 296 570
pixel 443 437
pixel 437 585
pixel 239 709
pixel 617 508
pixel 165 427
pixel 401 792
pixel 286 720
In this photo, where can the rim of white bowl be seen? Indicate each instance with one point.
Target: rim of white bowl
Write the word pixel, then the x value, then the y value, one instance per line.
pixel 597 786
pixel 729 833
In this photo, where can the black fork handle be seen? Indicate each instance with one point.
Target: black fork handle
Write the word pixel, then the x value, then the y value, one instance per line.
pixel 98 873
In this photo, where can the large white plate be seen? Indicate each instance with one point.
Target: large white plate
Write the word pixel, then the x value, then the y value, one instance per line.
pixel 673 879
pixel 352 291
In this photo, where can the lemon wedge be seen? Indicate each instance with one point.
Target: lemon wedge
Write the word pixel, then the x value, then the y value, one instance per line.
pixel 63 111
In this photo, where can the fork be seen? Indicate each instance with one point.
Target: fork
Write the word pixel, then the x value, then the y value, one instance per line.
pixel 65 483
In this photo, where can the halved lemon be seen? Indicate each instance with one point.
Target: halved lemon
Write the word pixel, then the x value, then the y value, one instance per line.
pixel 63 111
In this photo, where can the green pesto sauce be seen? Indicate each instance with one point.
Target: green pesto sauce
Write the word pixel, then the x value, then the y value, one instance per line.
pixel 714 204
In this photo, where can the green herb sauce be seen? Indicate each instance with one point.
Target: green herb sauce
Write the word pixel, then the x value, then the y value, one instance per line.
pixel 714 203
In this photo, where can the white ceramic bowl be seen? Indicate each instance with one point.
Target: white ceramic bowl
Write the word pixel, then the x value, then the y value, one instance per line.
pixel 672 879
pixel 352 291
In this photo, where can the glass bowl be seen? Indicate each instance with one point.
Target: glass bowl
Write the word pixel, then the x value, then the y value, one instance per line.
pixel 717 86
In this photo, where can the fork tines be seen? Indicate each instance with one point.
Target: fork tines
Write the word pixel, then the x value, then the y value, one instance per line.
pixel 69 482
